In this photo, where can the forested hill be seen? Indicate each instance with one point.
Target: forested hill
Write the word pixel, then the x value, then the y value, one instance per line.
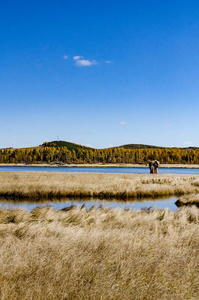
pixel 138 146
pixel 66 153
pixel 73 146
pixel 69 145
pixel 141 146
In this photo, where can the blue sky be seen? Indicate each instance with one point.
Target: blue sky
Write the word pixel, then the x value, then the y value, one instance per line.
pixel 99 73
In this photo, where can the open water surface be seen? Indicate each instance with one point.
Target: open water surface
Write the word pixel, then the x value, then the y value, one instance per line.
pixel 134 205
pixel 115 170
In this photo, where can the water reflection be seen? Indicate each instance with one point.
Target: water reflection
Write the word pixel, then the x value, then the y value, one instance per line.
pixel 134 205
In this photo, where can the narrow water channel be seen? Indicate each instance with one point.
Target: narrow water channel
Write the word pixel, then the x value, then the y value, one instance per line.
pixel 134 205
pixel 113 170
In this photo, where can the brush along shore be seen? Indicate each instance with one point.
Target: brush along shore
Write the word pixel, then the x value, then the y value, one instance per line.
pixel 44 185
pixel 100 254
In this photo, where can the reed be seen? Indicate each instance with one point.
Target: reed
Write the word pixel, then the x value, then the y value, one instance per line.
pixel 43 185
pixel 100 254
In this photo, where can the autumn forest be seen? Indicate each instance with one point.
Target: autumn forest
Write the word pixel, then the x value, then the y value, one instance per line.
pixel 80 155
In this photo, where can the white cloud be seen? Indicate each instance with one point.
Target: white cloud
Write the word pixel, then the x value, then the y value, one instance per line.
pixel 108 62
pixel 77 57
pixel 85 63
pixel 122 123
pixel 65 57
pixel 188 143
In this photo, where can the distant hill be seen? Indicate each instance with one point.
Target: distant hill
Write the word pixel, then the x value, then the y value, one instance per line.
pixel 130 153
pixel 188 148
pixel 139 146
pixel 70 146
pixel 73 146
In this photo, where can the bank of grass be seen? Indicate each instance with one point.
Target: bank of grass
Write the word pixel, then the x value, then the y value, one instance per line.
pixel 100 254
pixel 188 200
pixel 43 185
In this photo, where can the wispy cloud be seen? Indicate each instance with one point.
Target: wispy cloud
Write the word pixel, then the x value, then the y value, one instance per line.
pixel 85 63
pixel 81 61
pixel 122 123
pixel 77 57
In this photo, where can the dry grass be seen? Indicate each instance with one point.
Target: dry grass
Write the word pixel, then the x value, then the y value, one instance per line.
pixel 188 200
pixel 43 185
pixel 101 254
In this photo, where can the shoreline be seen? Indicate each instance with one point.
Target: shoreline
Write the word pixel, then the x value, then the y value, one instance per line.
pixel 162 166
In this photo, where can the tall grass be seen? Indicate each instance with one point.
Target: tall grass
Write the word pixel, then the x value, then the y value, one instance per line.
pixel 100 254
pixel 42 185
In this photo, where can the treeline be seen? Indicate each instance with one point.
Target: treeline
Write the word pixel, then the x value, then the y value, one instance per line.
pixel 111 155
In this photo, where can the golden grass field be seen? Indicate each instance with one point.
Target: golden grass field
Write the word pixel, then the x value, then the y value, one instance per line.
pixel 44 185
pixel 100 254
pixel 103 253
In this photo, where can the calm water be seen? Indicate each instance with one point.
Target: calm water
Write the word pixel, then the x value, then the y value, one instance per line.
pixel 98 170
pixel 135 205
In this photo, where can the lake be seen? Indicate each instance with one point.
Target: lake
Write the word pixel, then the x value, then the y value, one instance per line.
pixel 134 205
pixel 98 170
